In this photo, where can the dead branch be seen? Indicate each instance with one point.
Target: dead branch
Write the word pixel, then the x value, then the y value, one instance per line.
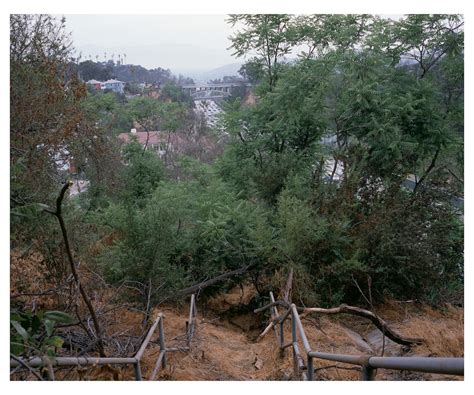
pixel 288 287
pixel 57 213
pixel 49 368
pixel 267 329
pixel 343 309
pixel 146 142
pixel 374 318
pixel 149 291
pixel 454 175
pixel 361 292
pixel 45 293
pixel 197 287
pixel 275 316
pixel 428 170
pixel 276 303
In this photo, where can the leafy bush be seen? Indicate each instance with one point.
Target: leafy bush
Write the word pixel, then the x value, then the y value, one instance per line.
pixel 33 333
pixel 142 174
pixel 185 232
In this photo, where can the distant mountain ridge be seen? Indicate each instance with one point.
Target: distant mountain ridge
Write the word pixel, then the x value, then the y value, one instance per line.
pixel 230 69
pixel 135 73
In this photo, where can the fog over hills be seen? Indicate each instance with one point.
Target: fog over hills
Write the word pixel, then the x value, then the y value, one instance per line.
pixel 192 43
pixel 206 75
pixel 168 56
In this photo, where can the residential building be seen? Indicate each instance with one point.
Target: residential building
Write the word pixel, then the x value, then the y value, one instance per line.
pixel 95 84
pixel 157 141
pixel 113 85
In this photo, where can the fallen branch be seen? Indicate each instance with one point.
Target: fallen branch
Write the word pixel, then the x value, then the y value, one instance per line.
pixel 277 303
pixel 275 316
pixel 197 287
pixel 49 368
pixel 267 329
pixel 45 293
pixel 375 319
pixel 342 309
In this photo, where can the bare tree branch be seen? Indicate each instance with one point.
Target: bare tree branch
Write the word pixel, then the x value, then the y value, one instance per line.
pixel 428 170
pixel 85 297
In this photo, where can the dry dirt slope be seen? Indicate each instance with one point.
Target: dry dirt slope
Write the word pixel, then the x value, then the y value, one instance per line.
pixel 220 352
pixel 225 349
pixel 224 346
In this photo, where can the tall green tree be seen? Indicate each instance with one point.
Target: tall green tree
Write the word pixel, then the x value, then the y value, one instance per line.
pixel 268 36
pixel 334 140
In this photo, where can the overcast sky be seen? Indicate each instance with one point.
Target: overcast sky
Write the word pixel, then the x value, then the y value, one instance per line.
pixel 177 42
pixel 183 43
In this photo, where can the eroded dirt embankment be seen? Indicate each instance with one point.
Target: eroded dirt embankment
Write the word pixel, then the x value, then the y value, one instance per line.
pixel 224 347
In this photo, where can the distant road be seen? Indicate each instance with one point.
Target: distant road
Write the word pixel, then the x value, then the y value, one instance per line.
pixel 215 86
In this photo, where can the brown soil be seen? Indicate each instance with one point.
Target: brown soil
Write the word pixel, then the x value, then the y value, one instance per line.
pixel 222 350
pixel 224 346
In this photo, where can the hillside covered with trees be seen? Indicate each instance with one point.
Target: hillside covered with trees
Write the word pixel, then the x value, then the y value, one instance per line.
pixel 348 170
pixel 89 70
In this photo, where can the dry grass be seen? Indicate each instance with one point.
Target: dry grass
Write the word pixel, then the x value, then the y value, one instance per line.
pixel 443 332
pixel 441 329
pixel 225 349
pixel 28 275
pixel 220 351
pixel 234 297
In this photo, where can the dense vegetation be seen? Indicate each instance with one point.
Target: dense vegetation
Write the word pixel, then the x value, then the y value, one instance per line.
pixel 313 177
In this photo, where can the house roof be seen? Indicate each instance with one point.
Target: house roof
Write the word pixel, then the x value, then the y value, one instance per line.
pixel 113 82
pixel 177 140
pixel 93 82
pixel 154 138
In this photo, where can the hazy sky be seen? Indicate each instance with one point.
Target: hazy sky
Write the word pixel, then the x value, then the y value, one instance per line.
pixel 179 42
pixel 183 43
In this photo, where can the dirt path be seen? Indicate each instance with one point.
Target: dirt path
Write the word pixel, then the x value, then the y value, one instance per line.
pixel 220 351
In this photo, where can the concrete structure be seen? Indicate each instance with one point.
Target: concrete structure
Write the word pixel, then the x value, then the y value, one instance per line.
pixel 209 109
pixel 204 90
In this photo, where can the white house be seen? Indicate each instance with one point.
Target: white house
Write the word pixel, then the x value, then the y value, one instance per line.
pixel 113 85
